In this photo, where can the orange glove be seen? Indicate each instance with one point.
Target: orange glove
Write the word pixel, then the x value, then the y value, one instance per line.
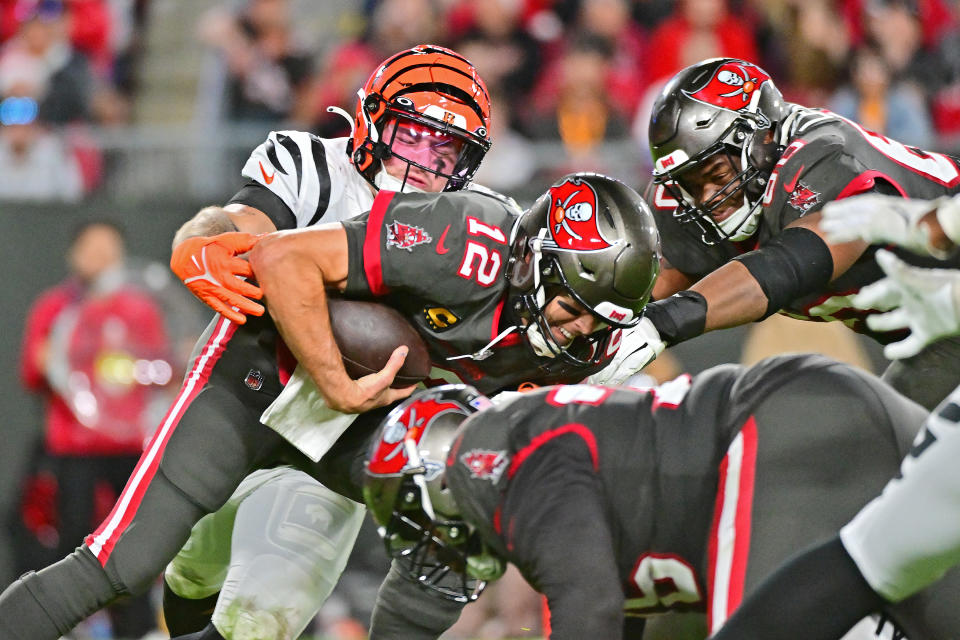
pixel 212 270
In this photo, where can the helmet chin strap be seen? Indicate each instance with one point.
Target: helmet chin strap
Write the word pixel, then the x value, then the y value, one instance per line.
pixel 742 223
pixel 538 341
pixel 386 182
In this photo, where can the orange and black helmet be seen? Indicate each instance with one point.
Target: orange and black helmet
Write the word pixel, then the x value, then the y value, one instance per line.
pixel 433 87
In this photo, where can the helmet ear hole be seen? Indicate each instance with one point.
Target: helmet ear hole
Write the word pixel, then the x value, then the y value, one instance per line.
pixel 763 151
pixel 371 104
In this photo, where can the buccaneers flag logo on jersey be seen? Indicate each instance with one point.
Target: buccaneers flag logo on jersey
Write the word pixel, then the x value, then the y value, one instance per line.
pixel 389 457
pixel 573 217
pixel 485 464
pixel 732 86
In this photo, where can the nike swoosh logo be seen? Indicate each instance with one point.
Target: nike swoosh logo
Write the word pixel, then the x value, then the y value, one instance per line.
pixel 443 236
pixel 267 179
pixel 790 186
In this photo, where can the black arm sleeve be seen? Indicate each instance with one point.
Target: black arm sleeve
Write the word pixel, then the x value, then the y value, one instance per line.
pixel 560 539
pixel 253 194
pixel 794 263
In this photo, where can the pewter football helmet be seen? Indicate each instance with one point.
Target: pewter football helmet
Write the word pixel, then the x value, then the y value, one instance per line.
pixel 717 106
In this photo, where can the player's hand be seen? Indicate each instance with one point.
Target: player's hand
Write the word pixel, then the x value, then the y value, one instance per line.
pixel 925 301
pixel 639 346
pixel 211 268
pixel 878 219
pixel 372 391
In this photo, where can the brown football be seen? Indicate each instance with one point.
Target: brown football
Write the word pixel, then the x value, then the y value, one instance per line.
pixel 367 333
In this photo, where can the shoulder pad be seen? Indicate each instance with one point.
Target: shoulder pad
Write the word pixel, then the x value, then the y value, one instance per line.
pixel 505 199
pixel 811 172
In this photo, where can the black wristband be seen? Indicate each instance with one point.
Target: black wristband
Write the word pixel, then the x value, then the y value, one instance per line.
pixel 680 317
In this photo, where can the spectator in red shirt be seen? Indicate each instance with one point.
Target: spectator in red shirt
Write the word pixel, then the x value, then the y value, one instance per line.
pixel 698 29
pixel 95 349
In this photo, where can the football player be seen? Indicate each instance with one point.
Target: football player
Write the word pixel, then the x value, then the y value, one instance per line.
pixel 620 504
pixel 909 536
pixel 740 177
pixel 421 123
pixel 539 297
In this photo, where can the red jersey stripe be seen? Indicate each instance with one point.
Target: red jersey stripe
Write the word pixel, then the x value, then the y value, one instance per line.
pixel 729 546
pixel 547 436
pixel 373 242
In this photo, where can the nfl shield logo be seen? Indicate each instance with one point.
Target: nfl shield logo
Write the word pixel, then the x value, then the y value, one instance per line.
pixel 254 380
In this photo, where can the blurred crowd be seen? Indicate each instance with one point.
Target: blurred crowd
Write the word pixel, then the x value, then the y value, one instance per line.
pixel 574 74
pixel 63 64
pixel 583 72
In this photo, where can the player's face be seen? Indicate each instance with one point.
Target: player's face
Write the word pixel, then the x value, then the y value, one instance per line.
pixel 713 181
pixel 568 320
pixel 427 147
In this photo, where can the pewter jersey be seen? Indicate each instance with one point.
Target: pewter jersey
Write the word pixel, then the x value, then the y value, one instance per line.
pixel 680 498
pixel 298 180
pixel 826 158
pixel 440 259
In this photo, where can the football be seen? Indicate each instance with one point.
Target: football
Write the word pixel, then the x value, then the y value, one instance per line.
pixel 367 333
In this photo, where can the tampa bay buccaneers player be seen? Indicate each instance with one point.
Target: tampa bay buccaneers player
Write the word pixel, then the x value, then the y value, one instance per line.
pixel 740 177
pixel 421 123
pixel 538 297
pixel 620 504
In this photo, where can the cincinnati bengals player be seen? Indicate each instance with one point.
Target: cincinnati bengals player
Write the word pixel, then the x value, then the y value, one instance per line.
pixel 421 123
pixel 620 505
pixel 740 177
pixel 536 297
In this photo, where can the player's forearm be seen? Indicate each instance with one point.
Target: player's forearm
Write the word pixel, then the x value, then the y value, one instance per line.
pixel 298 306
pixel 733 297
pixel 212 221
pixel 726 298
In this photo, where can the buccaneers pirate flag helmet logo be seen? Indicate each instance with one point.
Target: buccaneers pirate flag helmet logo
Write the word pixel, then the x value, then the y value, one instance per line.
pixel 732 86
pixel 573 217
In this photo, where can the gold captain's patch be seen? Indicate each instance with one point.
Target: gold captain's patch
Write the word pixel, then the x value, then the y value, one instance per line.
pixel 440 318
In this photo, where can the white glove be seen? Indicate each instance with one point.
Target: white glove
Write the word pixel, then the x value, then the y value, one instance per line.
pixel 879 219
pixel 926 300
pixel 639 346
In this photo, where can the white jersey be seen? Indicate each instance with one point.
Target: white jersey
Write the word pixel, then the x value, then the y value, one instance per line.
pixel 312 176
pixel 909 536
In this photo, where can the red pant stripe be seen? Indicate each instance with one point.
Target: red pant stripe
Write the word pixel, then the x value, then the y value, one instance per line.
pixel 729 546
pixel 102 541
